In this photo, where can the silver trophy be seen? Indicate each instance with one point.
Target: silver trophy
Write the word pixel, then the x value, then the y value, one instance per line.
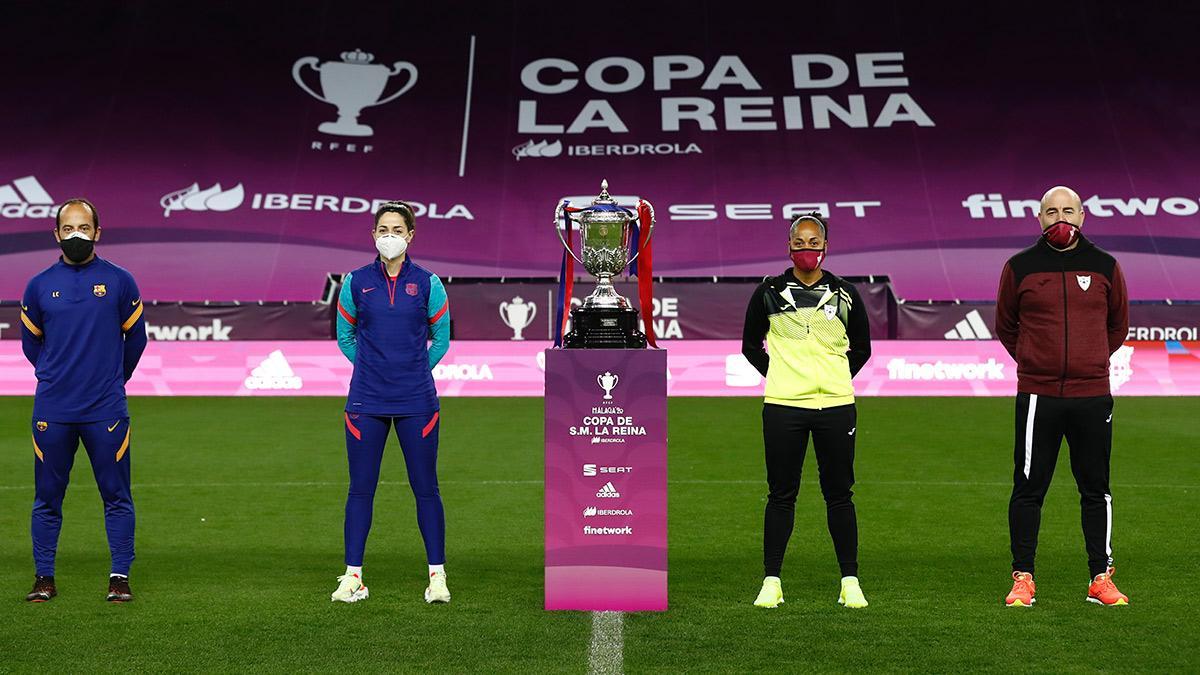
pixel 352 84
pixel 606 318
pixel 517 315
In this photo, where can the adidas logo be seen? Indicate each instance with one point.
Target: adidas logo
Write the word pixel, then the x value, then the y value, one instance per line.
pixel 25 198
pixel 273 373
pixel 608 491
pixel 970 328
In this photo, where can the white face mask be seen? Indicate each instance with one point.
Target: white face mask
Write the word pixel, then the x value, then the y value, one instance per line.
pixel 391 246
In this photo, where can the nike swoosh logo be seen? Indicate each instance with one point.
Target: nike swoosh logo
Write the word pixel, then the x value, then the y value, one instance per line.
pixel 368 290
pixel 135 303
pixel 852 430
pixel 1109 418
pixel 114 426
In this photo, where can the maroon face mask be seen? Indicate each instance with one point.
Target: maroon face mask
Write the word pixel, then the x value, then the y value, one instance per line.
pixel 808 259
pixel 1061 234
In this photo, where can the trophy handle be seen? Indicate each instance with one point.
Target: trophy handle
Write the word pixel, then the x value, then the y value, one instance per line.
pixel 502 316
pixel 648 234
pixel 558 218
pixel 412 80
pixel 532 313
pixel 598 378
pixel 314 63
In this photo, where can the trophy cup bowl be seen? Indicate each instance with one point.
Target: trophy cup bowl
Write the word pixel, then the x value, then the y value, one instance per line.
pixel 352 84
pixel 606 319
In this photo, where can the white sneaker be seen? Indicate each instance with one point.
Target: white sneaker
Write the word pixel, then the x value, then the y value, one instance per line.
pixel 437 591
pixel 350 589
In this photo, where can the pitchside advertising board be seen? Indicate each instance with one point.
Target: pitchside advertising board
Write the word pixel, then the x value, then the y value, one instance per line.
pixel 698 310
pixel 236 162
pixel 606 479
pixel 694 368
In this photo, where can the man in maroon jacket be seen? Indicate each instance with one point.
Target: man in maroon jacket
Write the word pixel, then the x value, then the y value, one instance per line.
pixel 1061 312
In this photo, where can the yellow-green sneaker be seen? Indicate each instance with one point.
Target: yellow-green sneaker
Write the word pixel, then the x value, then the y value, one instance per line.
pixel 350 589
pixel 771 594
pixel 852 595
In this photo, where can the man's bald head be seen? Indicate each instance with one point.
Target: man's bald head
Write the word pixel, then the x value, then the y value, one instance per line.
pixel 1060 203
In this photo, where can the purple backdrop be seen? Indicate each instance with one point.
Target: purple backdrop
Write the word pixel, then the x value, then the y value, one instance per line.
pixel 220 177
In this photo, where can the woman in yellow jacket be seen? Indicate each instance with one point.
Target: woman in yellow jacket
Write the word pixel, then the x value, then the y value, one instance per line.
pixel 817 337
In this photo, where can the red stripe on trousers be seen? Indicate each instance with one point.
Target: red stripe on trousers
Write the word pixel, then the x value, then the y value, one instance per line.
pixel 353 429
pixel 429 427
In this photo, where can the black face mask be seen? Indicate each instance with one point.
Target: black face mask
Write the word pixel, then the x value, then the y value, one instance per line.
pixel 77 249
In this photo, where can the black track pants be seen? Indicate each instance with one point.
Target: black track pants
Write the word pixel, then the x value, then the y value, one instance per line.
pixel 786 431
pixel 1042 423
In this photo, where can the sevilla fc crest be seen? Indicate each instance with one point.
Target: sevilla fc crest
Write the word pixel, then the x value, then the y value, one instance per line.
pixel 411 289
pixel 1085 280
pixel 830 312
pixel 99 290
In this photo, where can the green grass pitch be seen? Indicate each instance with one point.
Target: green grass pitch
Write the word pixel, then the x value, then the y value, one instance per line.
pixel 239 540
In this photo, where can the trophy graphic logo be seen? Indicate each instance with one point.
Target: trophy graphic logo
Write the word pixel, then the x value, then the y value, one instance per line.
pixel 352 84
pixel 517 315
pixel 607 382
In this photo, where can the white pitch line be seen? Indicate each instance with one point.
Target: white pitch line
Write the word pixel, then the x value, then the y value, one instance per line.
pixel 606 653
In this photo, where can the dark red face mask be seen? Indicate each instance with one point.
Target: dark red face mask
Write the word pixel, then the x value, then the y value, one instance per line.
pixel 808 259
pixel 1061 234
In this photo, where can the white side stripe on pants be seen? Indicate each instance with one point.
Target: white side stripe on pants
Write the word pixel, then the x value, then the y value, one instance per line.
pixel 1029 432
pixel 1108 527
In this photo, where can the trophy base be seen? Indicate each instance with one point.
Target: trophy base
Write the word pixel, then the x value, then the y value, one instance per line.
pixel 604 328
pixel 345 127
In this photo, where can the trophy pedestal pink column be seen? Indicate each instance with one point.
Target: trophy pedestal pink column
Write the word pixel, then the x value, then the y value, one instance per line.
pixel 606 479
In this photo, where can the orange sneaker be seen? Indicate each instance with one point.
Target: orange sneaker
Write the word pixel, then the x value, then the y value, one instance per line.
pixel 1022 591
pixel 1104 592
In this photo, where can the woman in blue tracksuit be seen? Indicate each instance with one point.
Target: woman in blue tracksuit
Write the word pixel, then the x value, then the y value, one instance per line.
pixel 387 313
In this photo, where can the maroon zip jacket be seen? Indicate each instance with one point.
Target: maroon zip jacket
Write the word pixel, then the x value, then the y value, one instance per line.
pixel 1061 315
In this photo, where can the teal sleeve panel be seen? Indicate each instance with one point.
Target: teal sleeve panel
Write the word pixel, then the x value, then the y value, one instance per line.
pixel 347 320
pixel 439 320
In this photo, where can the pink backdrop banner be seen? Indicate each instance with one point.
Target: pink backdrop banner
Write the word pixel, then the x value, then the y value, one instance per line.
pixel 694 368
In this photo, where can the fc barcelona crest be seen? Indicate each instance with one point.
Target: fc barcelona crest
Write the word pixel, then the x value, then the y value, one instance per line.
pixel 99 290
pixel 411 289
pixel 42 426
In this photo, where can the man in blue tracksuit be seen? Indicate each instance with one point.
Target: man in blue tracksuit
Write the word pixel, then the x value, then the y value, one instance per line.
pixel 82 329
pixel 387 313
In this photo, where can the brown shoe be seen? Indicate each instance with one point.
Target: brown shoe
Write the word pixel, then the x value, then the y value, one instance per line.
pixel 43 589
pixel 118 589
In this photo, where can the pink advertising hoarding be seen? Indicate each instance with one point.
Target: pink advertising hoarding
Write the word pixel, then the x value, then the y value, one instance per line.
pixel 694 368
